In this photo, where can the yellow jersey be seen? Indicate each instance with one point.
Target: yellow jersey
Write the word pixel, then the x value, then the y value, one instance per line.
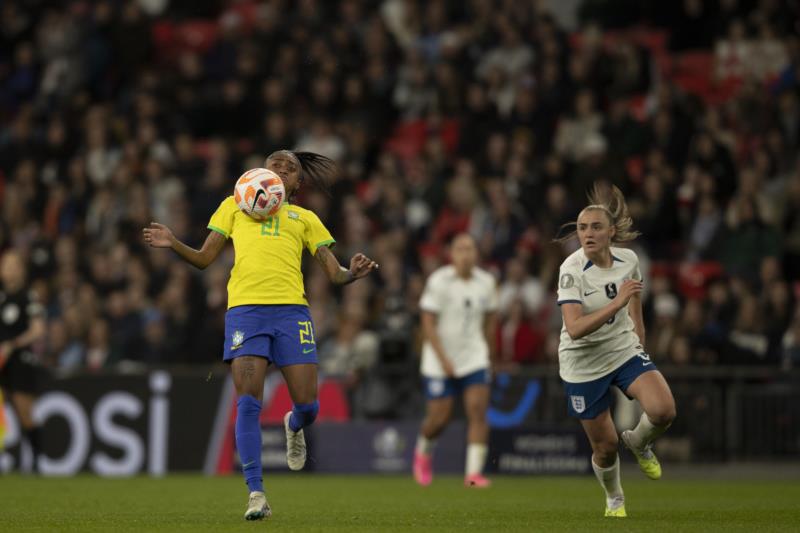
pixel 266 268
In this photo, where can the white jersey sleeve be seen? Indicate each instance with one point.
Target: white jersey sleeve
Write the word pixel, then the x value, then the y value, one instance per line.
pixel 431 299
pixel 637 273
pixel 569 283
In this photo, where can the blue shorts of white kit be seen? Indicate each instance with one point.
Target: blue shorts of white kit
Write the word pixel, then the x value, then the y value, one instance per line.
pixel 443 387
pixel 589 399
pixel 283 334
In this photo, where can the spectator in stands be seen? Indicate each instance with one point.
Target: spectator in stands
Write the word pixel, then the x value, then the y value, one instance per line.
pixel 519 342
pixel 577 135
pixel 107 123
pixel 746 239
pixel 519 285
pixel 352 351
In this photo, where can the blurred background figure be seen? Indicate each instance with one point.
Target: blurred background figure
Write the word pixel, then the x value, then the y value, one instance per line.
pixel 459 318
pixel 22 326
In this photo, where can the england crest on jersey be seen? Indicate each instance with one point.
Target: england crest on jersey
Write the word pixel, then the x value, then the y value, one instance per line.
pixel 578 403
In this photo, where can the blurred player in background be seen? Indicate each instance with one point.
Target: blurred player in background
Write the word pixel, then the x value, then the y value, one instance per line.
pixel 268 319
pixel 602 343
pixel 22 323
pixel 2 421
pixel 458 308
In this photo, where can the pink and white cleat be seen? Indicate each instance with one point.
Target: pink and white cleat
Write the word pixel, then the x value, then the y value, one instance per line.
pixel 423 470
pixel 477 481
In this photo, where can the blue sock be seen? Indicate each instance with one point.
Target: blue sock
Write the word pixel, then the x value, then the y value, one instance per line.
pixel 248 441
pixel 303 414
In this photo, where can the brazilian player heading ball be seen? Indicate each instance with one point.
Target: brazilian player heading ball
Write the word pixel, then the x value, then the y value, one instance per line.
pixel 268 319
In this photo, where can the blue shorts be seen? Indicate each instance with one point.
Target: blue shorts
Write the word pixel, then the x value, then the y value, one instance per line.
pixel 443 387
pixel 589 399
pixel 283 334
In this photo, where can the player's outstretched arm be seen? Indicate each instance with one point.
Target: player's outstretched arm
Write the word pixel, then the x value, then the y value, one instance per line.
pixel 160 236
pixel 360 266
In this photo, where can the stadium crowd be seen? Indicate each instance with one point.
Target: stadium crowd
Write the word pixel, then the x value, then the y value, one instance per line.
pixel 485 116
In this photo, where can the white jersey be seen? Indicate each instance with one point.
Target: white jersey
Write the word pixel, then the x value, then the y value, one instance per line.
pixel 605 349
pixel 460 306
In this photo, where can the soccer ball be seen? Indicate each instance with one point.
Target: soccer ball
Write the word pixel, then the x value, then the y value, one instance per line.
pixel 259 193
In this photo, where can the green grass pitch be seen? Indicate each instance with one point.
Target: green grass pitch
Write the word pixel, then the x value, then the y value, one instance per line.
pixel 306 502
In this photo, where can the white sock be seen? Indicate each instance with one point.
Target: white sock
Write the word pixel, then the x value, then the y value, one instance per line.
pixel 609 479
pixel 476 457
pixel 645 432
pixel 425 446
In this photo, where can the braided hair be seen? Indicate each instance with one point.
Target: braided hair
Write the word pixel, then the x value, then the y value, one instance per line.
pixel 318 168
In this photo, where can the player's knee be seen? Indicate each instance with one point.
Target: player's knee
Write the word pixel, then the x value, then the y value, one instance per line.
pixel 662 417
pixel 304 414
pixel 248 406
pixel 476 415
pixel 606 450
pixel 436 421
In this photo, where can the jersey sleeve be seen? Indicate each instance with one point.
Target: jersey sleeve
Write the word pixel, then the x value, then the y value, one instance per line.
pixel 637 272
pixel 222 219
pixel 569 286
pixel 431 299
pixel 316 234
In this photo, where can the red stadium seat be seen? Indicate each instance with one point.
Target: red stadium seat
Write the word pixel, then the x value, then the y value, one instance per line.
pixel 197 35
pixel 693 278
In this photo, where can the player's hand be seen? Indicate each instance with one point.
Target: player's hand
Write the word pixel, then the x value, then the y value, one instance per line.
pixel 158 236
pixel 629 288
pixel 448 369
pixel 361 265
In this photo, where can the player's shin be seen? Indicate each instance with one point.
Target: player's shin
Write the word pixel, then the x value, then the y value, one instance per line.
pixel 248 441
pixel 609 480
pixel 476 458
pixel 425 446
pixel 423 463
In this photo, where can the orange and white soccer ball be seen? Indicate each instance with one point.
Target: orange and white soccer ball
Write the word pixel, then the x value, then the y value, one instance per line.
pixel 259 193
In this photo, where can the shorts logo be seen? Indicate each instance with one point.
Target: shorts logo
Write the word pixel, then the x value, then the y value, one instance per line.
pixel 645 357
pixel 436 387
pixel 308 350
pixel 236 339
pixel 578 403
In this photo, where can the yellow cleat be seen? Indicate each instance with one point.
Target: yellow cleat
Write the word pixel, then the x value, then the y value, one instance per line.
pixel 648 462
pixel 619 512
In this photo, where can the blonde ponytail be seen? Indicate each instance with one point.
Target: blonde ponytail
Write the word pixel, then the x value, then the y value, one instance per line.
pixel 612 202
